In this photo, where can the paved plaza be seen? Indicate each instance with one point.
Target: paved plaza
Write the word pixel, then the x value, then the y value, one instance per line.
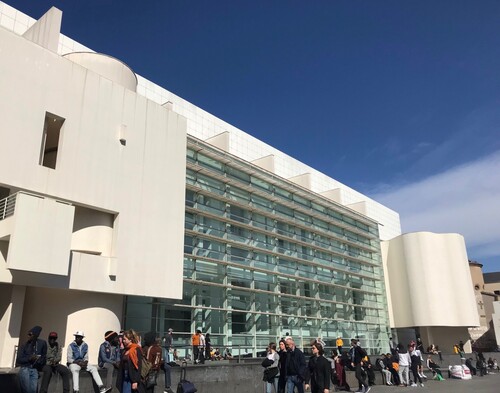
pixel 486 384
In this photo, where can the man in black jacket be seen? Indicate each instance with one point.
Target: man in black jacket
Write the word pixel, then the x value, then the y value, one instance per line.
pixel 357 354
pixel 30 359
pixel 295 367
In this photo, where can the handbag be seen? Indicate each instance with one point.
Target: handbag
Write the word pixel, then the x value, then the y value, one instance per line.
pixel 151 379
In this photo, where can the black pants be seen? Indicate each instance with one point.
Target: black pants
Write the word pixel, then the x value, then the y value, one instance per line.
pixel 360 376
pixel 47 375
pixel 414 369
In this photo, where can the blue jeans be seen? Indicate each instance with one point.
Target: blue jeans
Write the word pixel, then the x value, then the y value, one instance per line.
pixel 292 381
pixel 270 384
pixel 28 379
pixel 127 384
pixel 168 377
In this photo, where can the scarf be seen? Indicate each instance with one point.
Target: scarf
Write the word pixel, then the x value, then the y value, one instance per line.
pixel 132 354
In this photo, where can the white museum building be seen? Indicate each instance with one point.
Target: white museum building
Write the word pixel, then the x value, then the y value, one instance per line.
pixel 112 186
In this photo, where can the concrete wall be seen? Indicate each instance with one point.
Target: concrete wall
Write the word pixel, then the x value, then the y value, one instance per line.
pixel 68 311
pixel 141 183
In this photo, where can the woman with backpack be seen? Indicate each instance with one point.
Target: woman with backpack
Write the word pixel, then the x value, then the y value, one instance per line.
pixel 129 374
pixel 153 354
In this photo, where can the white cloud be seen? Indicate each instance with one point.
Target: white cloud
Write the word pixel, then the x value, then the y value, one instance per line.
pixel 464 199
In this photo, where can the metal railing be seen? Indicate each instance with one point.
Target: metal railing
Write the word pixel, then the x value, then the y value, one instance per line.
pixel 7 206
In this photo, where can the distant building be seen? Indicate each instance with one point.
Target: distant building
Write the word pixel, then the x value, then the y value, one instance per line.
pixel 487 294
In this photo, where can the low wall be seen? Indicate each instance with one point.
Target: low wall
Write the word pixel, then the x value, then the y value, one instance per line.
pixel 211 377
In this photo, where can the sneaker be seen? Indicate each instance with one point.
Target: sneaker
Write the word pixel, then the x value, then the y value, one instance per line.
pixel 104 389
pixel 368 389
pixel 421 384
pixel 413 385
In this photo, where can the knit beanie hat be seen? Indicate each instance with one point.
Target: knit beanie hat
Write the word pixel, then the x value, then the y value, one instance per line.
pixel 36 330
pixel 110 335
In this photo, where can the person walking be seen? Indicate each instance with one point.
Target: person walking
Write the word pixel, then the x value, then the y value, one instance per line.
pixel 295 367
pixel 129 373
pixel 318 371
pixel 282 366
pixel 53 365
pixel 357 354
pixel 31 357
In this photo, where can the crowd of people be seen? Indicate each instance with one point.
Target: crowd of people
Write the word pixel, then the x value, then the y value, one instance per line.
pixel 123 352
pixel 286 369
pixel 203 349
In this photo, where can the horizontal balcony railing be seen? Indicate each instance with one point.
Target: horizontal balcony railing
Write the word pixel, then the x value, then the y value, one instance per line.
pixel 7 206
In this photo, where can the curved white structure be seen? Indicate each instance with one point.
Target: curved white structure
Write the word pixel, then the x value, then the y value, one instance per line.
pixel 428 281
pixel 107 66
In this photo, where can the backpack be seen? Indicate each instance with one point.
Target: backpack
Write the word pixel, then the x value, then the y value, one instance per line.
pixel 362 352
pixel 146 366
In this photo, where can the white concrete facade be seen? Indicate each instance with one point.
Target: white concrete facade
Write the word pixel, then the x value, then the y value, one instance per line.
pixel 109 205
pixel 428 284
pixel 92 203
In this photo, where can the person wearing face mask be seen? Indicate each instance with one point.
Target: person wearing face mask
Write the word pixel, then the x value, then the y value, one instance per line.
pixel 31 358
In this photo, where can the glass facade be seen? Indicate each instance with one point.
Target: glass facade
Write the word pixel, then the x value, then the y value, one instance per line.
pixel 264 257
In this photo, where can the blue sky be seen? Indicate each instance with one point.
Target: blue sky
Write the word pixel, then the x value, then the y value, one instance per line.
pixel 397 99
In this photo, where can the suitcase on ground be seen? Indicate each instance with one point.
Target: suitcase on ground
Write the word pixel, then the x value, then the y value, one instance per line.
pixel 184 385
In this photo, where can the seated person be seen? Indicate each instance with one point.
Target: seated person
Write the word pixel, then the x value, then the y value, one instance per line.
pixel 490 363
pixel 78 359
pixel 54 354
pixel 434 367
pixel 109 355
pixel 227 354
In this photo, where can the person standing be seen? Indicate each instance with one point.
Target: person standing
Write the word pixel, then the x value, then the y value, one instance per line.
pixel 272 370
pixel 78 359
pixel 53 365
pixel 195 342
pixel 168 343
pixel 109 356
pixel 129 373
pixel 201 349
pixel 208 347
pixel 340 343
pixel 319 371
pixel 416 362
pixel 357 354
pixel 404 365
pixel 31 358
pixel 295 366
pixel 282 366
pixel 153 353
